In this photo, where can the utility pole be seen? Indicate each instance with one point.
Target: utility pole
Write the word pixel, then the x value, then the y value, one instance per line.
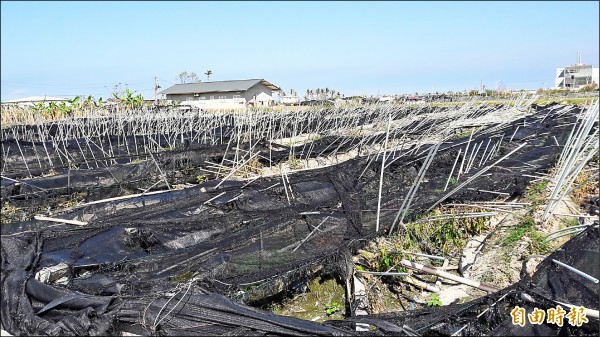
pixel 156 86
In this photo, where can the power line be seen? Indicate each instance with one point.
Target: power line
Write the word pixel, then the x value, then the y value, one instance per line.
pixel 164 80
pixel 71 86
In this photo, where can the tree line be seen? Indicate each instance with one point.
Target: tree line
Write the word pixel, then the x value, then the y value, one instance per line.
pixel 192 77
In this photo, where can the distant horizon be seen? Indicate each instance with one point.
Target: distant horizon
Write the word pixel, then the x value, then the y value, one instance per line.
pixel 68 49
pixel 299 94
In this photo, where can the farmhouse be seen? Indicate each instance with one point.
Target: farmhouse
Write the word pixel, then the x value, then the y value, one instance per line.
pixel 223 94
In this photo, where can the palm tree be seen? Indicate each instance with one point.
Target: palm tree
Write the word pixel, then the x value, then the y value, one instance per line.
pixel 208 73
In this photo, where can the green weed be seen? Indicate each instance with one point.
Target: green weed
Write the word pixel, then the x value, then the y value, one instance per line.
pixel 448 234
pixel 435 301
pixel 331 308
pixel 540 186
pixel 515 234
pixel 570 222
pixel 526 227
pixel 385 261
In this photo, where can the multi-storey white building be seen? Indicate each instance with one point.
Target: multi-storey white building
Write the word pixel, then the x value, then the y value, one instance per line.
pixel 575 76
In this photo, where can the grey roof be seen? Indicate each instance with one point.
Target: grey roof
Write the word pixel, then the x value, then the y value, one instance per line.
pixel 218 86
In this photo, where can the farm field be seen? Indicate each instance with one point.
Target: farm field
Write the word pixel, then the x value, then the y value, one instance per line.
pixel 295 222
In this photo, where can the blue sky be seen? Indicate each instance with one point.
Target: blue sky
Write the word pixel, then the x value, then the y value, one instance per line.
pixel 73 48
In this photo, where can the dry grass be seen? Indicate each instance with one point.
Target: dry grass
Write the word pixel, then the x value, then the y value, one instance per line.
pixel 587 185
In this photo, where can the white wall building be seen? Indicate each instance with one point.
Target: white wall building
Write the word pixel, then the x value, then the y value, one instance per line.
pixel 575 76
pixel 290 99
pixel 223 94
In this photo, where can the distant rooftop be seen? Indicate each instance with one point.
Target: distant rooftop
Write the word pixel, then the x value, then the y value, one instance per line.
pixel 36 99
pixel 217 86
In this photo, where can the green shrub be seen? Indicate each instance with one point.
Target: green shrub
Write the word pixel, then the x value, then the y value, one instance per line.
pixel 331 308
pixel 435 301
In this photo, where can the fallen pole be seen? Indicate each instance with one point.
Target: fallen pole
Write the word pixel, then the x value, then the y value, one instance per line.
pixel 236 169
pixel 452 171
pixel 311 233
pixel 576 271
pixel 213 198
pixel 443 274
pixel 70 222
pixel 359 303
pixel 124 197
pixel 387 134
pixel 575 231
pixel 421 285
pixel 588 312
pixel 22 182
pixel 578 227
pixel 476 175
pixel 434 257
pixel 381 273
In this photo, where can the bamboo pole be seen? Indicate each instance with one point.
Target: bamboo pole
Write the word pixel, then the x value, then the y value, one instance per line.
pixel 475 176
pixel 70 222
pixel 387 133
pixel 446 275
pixel 452 171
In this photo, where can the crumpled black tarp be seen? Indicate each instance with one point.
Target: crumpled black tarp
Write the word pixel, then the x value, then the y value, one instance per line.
pixel 132 266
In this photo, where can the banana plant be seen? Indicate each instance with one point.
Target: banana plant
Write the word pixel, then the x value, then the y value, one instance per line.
pixel 132 101
pixel 63 109
pixel 52 108
pixel 74 100
pixel 89 102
